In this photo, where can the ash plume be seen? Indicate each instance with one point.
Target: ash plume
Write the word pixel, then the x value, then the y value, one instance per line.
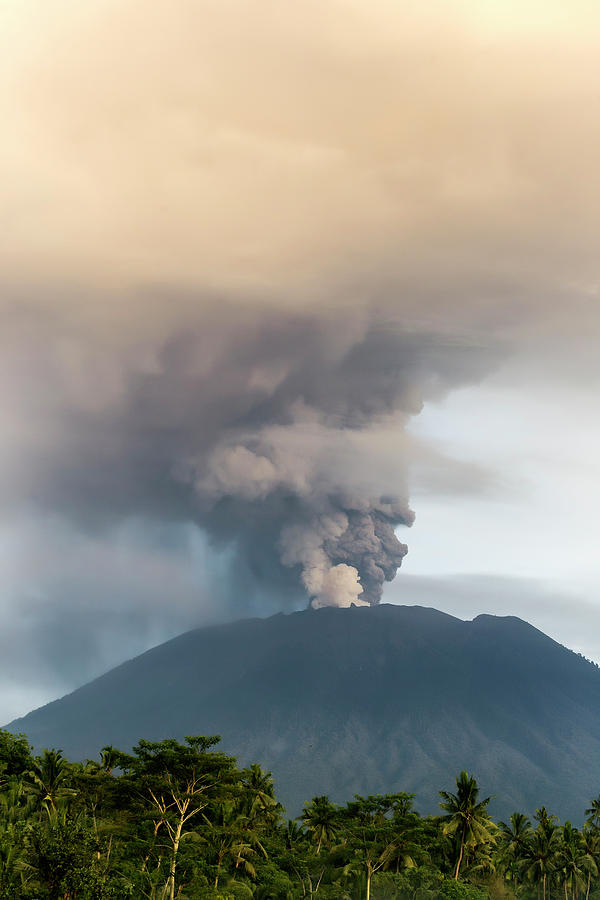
pixel 240 253
pixel 281 436
pixel 345 557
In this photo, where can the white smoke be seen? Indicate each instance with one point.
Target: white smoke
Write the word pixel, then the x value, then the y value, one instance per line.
pixel 335 526
pixel 340 587
pixel 326 584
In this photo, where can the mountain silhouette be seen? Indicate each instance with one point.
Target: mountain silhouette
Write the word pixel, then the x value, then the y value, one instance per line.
pixel 360 700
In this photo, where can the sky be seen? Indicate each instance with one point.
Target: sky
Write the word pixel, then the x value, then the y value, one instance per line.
pixel 293 298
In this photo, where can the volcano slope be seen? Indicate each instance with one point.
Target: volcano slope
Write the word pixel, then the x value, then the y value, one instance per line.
pixel 360 700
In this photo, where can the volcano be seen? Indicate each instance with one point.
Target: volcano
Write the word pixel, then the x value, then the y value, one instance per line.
pixel 360 700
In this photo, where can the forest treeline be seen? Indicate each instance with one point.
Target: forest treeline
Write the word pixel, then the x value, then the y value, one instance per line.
pixel 181 820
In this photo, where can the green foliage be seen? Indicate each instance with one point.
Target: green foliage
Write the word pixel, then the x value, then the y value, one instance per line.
pixel 181 820
pixel 65 859
pixel 467 821
pixel 320 819
pixel 15 754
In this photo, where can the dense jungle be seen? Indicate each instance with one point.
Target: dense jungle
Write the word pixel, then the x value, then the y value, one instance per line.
pixel 181 820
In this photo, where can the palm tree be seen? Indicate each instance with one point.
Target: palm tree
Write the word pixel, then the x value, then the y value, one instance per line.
pixel 590 845
pixel 542 816
pixel 293 834
pixel 593 813
pixel 48 780
pixel 258 800
pixel 466 818
pixel 231 837
pixel 542 857
pixel 571 860
pixel 320 818
pixel 514 841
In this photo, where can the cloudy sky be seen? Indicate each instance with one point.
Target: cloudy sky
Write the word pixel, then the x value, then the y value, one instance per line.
pixel 277 279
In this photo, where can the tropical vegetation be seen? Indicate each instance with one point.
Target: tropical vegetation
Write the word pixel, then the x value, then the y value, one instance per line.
pixel 181 820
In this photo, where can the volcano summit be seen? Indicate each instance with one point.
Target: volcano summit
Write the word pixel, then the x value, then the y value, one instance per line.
pixel 360 700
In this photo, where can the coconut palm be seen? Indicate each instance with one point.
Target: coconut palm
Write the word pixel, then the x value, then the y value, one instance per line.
pixel 467 818
pixel 48 778
pixel 543 854
pixel 320 819
pixel 258 799
pixel 542 816
pixel 571 861
pixel 514 840
pixel 232 836
pixel 590 843
pixel 293 834
pixel 593 813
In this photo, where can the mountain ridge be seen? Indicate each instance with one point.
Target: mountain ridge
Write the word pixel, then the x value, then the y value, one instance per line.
pixel 359 700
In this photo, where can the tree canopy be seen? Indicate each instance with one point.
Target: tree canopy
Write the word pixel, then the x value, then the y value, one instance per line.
pixel 181 820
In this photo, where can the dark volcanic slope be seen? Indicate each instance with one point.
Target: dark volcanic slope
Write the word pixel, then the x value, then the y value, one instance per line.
pixel 360 700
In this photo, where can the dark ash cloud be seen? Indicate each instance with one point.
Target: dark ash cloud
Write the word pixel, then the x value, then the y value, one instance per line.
pixel 262 428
